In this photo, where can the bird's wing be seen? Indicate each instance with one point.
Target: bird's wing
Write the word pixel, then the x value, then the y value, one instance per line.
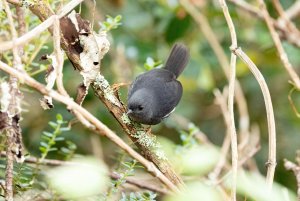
pixel 169 98
pixel 152 77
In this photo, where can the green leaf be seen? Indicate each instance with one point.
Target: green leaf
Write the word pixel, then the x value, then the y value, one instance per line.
pixel 63 129
pixel 53 149
pixel 59 139
pixel 45 138
pixel 65 150
pixel 118 18
pixel 44 144
pixel 48 134
pixel 53 124
pixel 59 118
pixel 42 149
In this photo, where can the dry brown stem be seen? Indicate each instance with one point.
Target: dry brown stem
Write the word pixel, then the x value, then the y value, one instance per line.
pixel 233 136
pixel 296 169
pixel 293 11
pixel 220 99
pixel 271 163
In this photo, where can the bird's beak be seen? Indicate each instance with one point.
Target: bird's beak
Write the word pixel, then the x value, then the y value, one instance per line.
pixel 129 112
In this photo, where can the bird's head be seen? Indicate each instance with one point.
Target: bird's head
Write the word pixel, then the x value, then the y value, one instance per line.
pixel 140 107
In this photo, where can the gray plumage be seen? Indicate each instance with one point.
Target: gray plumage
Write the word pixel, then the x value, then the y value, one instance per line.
pixel 154 94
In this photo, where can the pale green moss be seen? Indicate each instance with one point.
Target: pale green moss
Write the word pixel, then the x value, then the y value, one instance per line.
pixel 138 134
pixel 125 119
pixel 148 141
pixel 160 154
pixel 28 3
pixel 103 84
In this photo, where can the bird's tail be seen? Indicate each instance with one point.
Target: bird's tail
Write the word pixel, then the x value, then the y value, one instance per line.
pixel 178 59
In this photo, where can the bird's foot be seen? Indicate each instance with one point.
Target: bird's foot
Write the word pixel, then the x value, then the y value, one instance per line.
pixel 148 131
pixel 115 87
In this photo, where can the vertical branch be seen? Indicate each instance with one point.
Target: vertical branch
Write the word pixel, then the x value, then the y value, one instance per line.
pixel 220 99
pixel 232 130
pixel 13 133
pixel 59 56
pixel 271 163
pixel 283 56
pixel 9 165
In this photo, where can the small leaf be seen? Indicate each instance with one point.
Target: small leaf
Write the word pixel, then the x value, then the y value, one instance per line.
pixel 65 150
pixel 44 144
pixel 48 134
pixel 46 138
pixel 42 149
pixel 59 117
pixel 59 139
pixel 63 129
pixel 53 124
pixel 118 18
pixel 53 149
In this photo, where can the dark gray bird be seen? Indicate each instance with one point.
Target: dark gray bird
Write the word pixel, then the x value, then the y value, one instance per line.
pixel 154 94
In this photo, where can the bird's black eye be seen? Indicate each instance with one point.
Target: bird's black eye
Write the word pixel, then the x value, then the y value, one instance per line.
pixel 140 107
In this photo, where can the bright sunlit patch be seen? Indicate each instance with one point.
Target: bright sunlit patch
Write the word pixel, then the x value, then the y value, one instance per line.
pixel 87 177
pixel 199 160
pixel 196 191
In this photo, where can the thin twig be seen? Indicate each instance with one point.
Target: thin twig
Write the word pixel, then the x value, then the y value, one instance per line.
pixel 271 163
pixel 283 18
pixel 293 11
pixel 296 169
pixel 231 87
pixel 282 54
pixel 141 184
pixel 221 101
pixel 100 127
pixel 59 55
